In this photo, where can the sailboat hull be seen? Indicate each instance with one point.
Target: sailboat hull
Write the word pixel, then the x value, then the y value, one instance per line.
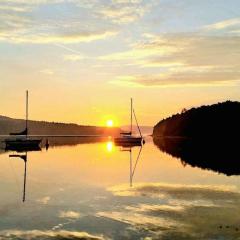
pixel 133 141
pixel 12 144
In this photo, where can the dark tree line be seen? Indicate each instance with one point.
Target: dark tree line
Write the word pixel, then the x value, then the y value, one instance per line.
pixel 217 120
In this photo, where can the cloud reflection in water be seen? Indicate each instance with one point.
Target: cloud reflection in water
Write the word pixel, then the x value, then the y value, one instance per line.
pixel 175 211
pixel 36 234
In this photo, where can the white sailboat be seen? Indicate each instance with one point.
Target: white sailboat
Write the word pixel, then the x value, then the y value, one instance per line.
pixel 21 139
pixel 127 138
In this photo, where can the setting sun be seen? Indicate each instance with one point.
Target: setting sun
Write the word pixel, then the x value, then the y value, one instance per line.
pixel 109 123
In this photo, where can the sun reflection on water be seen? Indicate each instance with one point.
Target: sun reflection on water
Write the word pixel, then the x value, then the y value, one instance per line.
pixel 110 146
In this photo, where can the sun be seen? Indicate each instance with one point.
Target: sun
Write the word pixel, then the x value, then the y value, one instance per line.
pixel 109 123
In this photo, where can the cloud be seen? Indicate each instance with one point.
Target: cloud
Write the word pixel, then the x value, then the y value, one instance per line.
pixel 10 8
pixel 71 37
pixel 182 59
pixel 30 2
pixel 118 11
pixel 179 79
pixel 159 46
pixel 187 49
pixel 137 53
pixel 23 22
pixel 229 23
pixel 69 214
pixel 37 234
pixel 122 14
pixel 12 23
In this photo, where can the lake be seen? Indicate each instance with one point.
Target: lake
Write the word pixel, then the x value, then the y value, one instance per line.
pixel 96 190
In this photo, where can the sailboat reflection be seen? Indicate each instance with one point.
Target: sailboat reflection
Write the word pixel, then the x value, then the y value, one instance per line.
pixel 23 149
pixel 24 158
pixel 132 167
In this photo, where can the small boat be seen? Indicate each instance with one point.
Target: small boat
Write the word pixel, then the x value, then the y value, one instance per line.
pixel 21 141
pixel 127 138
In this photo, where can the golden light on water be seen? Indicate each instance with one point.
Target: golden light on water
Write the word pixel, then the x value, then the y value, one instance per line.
pixel 110 146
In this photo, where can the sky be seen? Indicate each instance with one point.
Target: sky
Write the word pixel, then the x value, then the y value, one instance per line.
pixel 82 60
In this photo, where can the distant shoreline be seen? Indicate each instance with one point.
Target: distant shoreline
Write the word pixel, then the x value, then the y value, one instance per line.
pixel 44 128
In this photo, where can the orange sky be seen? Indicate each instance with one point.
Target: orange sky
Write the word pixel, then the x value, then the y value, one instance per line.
pixel 82 61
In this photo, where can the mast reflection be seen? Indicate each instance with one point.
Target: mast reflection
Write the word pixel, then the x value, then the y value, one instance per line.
pixel 24 158
pixel 132 166
pixel 23 155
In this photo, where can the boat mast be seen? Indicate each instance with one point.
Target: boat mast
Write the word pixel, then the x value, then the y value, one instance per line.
pixel 26 113
pixel 131 114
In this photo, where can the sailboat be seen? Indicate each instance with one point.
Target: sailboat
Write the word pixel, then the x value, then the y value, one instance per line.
pixel 21 139
pixel 127 138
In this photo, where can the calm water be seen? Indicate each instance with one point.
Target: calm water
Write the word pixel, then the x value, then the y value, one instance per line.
pixel 94 191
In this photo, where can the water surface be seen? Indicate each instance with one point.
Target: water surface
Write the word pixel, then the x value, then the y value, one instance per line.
pixel 94 191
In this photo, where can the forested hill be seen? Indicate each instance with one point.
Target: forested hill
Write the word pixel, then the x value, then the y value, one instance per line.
pixel 217 120
pixel 8 125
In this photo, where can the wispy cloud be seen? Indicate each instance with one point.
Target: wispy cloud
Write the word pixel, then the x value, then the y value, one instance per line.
pixel 18 24
pixel 157 46
pixel 12 8
pixel 183 60
pixel 12 24
pixel 118 11
pixel 178 80
pixel 31 2
pixel 233 22
pixel 37 234
pixel 123 12
pixel 71 37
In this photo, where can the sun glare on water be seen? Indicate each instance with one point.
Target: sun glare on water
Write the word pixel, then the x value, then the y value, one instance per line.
pixel 109 146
